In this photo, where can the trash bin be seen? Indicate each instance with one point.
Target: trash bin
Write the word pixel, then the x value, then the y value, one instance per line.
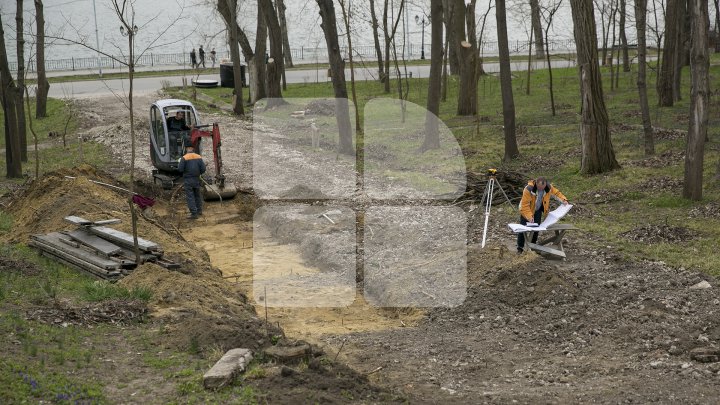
pixel 226 75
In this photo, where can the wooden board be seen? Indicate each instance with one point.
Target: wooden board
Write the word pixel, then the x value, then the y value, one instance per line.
pixel 547 250
pixel 123 239
pixel 54 240
pixel 94 242
pixel 73 261
pixel 77 220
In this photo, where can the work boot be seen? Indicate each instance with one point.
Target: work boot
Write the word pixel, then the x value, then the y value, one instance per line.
pixel 519 251
pixel 193 216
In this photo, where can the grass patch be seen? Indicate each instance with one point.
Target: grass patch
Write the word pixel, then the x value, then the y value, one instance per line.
pixel 6 222
pixel 58 116
pixel 102 290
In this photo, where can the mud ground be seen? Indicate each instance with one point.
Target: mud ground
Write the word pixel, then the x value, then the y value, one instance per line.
pixel 594 328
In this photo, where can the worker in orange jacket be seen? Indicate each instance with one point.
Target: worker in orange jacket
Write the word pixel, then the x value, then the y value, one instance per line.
pixel 536 202
pixel 192 167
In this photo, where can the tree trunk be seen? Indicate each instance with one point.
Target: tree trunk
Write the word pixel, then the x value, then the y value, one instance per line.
pixel 717 26
pixel 598 155
pixel 275 60
pixel 432 135
pixel 467 56
pixel 640 25
pixel 445 58
pixel 386 31
pixel 613 12
pixel 623 37
pixel 20 89
pixel 237 101
pixel 13 163
pixel 346 19
pixel 682 51
pixel 337 68
pixel 376 40
pixel 511 147
pixel 43 86
pixel 537 28
pixel 605 32
pixel 453 41
pixel 280 4
pixel 259 86
pixel 699 100
pixel 551 88
pixel 257 78
pixel 667 67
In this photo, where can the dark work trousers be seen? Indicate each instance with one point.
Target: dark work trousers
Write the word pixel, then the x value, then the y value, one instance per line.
pixel 521 235
pixel 193 195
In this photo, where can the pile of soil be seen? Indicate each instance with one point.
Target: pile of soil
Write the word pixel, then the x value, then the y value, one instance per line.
pixel 709 210
pixel 662 183
pixel 660 234
pixel 666 134
pixel 323 107
pixel 195 305
pixel 119 312
pixel 665 159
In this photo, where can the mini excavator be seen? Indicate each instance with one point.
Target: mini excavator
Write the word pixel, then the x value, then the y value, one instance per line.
pixel 175 124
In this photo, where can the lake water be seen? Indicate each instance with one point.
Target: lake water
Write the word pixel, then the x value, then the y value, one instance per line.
pixel 170 26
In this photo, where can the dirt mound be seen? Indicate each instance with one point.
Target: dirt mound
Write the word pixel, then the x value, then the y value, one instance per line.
pixel 119 312
pixel 667 158
pixel 324 107
pixel 662 183
pixel 200 310
pixel 660 234
pixel 669 134
pixel 710 210
pixel 195 304
pixel 532 280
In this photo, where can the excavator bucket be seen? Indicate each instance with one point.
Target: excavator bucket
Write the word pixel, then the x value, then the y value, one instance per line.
pixel 214 192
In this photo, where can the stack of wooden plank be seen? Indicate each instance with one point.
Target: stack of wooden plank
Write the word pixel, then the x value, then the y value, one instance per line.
pixel 96 249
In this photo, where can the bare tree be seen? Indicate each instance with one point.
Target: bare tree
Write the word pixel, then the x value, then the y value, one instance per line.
pixel 346 20
pixel 453 41
pixel 682 48
pixel 390 29
pixel 717 25
pixel 20 88
pixel 598 155
pixel 231 24
pixel 13 162
pixel 699 100
pixel 511 147
pixel 468 56
pixel 43 86
pixel 537 27
pixel 548 14
pixel 432 135
pixel 605 11
pixel 614 9
pixel 669 56
pixel 280 5
pixel 640 24
pixel 275 61
pixel 337 68
pixel 623 37
pixel 655 28
pixel 376 40
pixel 255 59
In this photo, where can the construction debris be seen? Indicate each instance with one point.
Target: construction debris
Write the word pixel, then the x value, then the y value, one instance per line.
pixel 225 370
pixel 96 249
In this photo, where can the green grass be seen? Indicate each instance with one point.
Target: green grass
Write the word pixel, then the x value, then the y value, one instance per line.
pixel 103 290
pixel 58 114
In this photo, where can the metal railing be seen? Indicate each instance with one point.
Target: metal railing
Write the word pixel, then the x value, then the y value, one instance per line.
pixel 302 54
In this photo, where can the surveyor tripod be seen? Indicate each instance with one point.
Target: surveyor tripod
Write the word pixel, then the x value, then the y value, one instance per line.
pixel 488 196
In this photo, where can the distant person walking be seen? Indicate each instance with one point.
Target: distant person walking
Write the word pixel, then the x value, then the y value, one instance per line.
pixel 193 58
pixel 202 57
pixel 213 55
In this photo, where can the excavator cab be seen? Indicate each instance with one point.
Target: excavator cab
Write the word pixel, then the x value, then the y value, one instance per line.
pixel 170 123
pixel 175 124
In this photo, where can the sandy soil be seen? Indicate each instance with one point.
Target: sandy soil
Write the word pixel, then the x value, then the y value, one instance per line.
pixel 593 328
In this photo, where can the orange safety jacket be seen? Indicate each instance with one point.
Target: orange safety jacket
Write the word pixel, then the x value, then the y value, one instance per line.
pixel 529 197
